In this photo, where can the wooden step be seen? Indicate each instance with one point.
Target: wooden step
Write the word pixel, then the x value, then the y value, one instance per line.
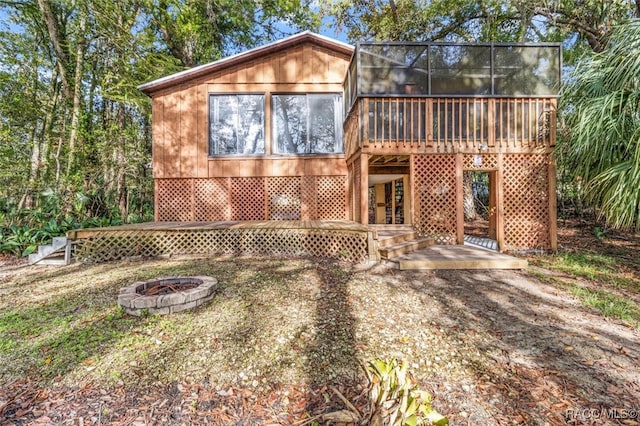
pixel 380 227
pixel 405 247
pixel 458 257
pixel 390 238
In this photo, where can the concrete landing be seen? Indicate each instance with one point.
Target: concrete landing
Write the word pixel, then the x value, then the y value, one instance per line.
pixel 458 257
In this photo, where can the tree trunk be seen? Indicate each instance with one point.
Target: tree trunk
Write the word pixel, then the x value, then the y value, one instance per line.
pixel 77 95
pixel 121 182
pixel 59 44
pixel 469 200
pixel 291 146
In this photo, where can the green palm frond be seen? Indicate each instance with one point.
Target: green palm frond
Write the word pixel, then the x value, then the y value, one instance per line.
pixel 602 110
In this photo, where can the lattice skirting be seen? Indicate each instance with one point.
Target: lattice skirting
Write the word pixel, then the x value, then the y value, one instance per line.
pixel 525 197
pixel 106 245
pixel 252 198
pixel 526 202
pixel 435 197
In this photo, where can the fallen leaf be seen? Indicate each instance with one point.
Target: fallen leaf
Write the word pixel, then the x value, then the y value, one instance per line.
pixel 342 416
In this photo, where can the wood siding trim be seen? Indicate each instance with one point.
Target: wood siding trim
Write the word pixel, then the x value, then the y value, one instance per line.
pixel 189 132
pixel 202 136
pixel 171 159
pixel 157 136
pixel 271 167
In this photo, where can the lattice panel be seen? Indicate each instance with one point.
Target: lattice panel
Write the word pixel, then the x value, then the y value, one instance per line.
pixel 247 199
pixel 485 162
pixel 357 191
pixel 211 198
pixel 283 198
pixel 435 186
pixel 106 246
pixel 175 202
pixel 526 201
pixel 331 196
pixel 309 208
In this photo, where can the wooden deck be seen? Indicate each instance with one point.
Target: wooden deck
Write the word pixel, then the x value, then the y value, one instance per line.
pixel 325 238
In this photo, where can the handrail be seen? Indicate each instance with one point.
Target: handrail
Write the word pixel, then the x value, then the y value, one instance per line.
pixel 451 124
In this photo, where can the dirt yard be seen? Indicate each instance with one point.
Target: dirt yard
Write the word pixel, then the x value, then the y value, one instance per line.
pixel 283 335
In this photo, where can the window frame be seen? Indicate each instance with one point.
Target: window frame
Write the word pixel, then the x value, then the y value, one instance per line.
pixel 210 152
pixel 338 116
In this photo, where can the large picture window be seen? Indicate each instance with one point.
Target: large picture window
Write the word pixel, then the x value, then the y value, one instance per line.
pixel 236 124
pixel 307 124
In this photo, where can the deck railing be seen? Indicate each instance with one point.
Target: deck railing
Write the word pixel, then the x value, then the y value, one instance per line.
pixel 451 124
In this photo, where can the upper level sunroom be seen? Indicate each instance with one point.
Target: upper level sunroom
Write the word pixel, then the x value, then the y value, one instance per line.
pixel 452 94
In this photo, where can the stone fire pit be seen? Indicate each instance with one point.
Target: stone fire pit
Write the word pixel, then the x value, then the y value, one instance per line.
pixel 166 295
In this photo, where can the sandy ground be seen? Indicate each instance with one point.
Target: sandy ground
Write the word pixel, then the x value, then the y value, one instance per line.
pixel 493 347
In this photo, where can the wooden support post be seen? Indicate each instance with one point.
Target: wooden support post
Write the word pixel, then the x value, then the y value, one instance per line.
pixel 347 199
pixel 372 245
pixel 406 199
pixel 500 201
pixel 553 205
pixel 364 189
pixel 380 210
pixel 411 192
pixel 459 199
pixel 393 202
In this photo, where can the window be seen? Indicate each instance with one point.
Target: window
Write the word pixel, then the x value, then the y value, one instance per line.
pixel 307 124
pixel 236 124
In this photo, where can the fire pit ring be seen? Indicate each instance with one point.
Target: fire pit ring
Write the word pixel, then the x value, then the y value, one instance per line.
pixel 166 295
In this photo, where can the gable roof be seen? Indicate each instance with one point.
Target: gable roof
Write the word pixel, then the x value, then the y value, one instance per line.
pixel 195 72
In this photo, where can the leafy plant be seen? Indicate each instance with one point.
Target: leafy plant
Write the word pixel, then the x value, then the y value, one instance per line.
pixel 395 399
pixel 19 240
pixel 599 233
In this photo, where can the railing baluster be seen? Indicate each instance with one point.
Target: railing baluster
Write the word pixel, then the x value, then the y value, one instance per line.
pixel 448 123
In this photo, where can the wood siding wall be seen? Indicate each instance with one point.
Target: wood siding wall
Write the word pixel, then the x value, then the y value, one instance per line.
pixel 191 185
pixel 180 114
